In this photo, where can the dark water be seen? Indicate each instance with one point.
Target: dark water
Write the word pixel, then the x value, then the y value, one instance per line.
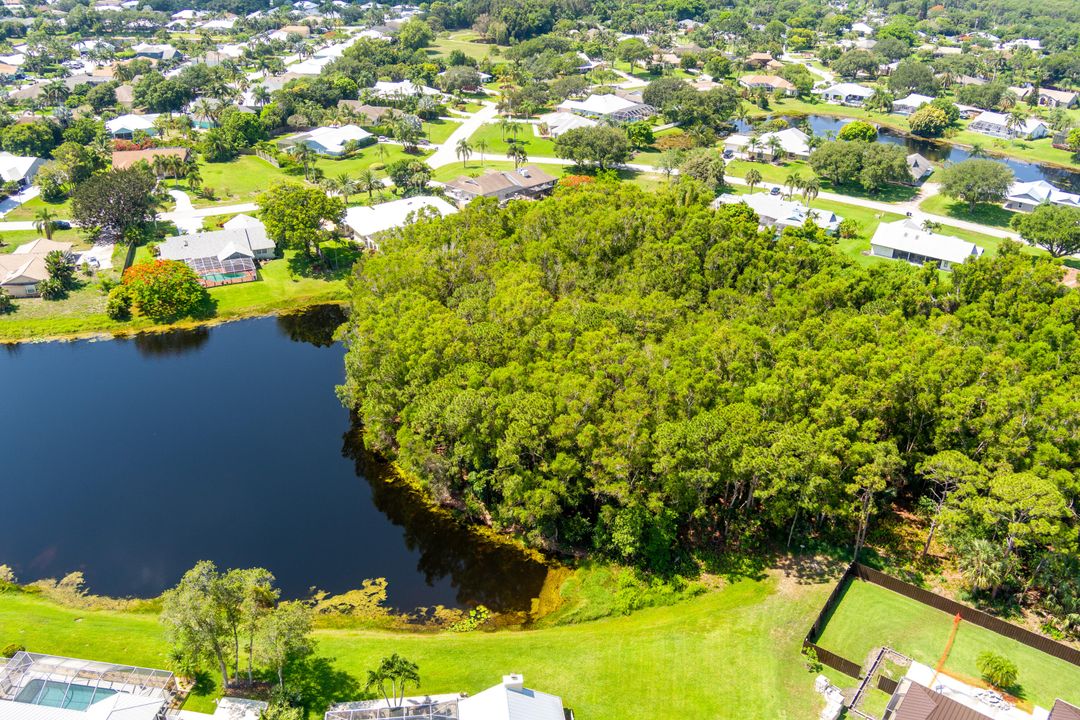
pixel 130 460
pixel 941 152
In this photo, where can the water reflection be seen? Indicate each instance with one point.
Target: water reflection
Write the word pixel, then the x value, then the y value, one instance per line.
pixel 483 571
pixel 823 125
pixel 314 325
pixel 172 343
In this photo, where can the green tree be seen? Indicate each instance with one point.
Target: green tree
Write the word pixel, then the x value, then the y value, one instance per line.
pixel 415 34
pixel 975 181
pixel 1055 228
pixel 632 51
pixel 753 179
pixel 165 290
pixel 997 670
pixel 294 216
pixel 463 150
pixel 599 146
pixel 706 166
pixel 858 130
pixel 928 121
pixel 195 625
pixel 45 222
pixel 284 636
pixel 114 201
pixel 398 673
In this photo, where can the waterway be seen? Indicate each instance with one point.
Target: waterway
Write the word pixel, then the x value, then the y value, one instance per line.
pixel 130 460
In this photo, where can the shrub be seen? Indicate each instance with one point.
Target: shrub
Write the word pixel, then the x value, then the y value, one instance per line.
pixel 118 306
pixel 996 669
pixel 164 289
pixel 858 130
pixel 928 121
pixel 6 303
pixel 10 650
pixel 849 228
pixel 51 289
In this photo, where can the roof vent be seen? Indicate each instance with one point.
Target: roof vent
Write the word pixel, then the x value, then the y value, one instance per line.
pixel 514 681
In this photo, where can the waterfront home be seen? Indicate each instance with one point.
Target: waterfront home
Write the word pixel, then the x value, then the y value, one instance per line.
pixel 997 125
pixel 124 127
pixel 1051 98
pixel 221 257
pixel 24 267
pixel 851 94
pixel 609 107
pixel 1026 196
pixel 918 167
pixel 527 182
pixel 771 83
pixel 19 169
pixel 794 144
pixel 557 123
pixel 775 211
pixel 908 105
pixel 907 240
pixel 367 221
pixel 122 159
pixel 47 687
pixel 509 700
pixel 334 141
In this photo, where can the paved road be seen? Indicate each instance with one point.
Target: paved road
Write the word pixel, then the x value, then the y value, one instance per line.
pixel 189 219
pixel 445 154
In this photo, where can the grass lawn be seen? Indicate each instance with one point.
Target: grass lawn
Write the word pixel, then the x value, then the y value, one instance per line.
pixel 27 211
pixel 83 311
pixel 384 153
pixel 474 169
pixel 679 661
pixel 14 238
pixel 870 616
pixel 492 134
pixel 984 213
pixel 466 42
pixel 438 130
pixel 239 180
pixel 777 174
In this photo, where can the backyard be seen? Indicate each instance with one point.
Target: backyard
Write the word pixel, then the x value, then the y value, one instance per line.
pixel 677 661
pixel 870 616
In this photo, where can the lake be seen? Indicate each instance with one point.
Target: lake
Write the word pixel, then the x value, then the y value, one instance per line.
pixel 132 459
pixel 822 125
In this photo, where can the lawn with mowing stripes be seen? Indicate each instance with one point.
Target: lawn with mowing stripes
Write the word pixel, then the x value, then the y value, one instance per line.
pixel 729 653
pixel 870 616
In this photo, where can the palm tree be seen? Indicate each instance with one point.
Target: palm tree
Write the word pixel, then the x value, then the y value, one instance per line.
pixel 810 189
pixel 208 111
pixel 160 166
pixel 792 181
pixel 504 125
pixel 346 185
pixel 753 177
pixel 1015 121
pixel 397 671
pixel 753 144
pixel 45 222
pixel 260 95
pixel 368 181
pixel 193 176
pixel 482 146
pixel 516 151
pixel 977 150
pixel 776 148
pixel 463 151
pixel 1008 100
pixel 304 155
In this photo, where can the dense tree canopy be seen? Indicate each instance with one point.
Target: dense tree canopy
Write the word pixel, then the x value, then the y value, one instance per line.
pixel 641 375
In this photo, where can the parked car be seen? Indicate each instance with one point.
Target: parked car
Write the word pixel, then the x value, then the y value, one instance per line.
pixel 61 225
pixel 775 191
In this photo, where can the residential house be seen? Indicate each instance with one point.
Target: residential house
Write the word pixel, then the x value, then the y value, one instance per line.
pixel 160 51
pixel 1064 711
pixel 557 123
pixel 967 112
pixel 405 88
pixel 1048 97
pixel 862 28
pixel 367 221
pixel 771 83
pixel 761 60
pixel 310 66
pixel 241 222
pixel 794 143
pixel 124 127
pixel 334 141
pixel 851 94
pixel 918 167
pixel 610 107
pixel 587 64
pixel 997 125
pixel 1026 196
pixel 222 257
pixel 509 700
pixel 908 105
pixel 775 211
pixel 122 159
pixel 368 114
pixel 18 169
pixel 526 182
pixel 906 240
pixel 20 272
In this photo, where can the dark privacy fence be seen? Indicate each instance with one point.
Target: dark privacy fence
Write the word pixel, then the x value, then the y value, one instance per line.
pixel 857 571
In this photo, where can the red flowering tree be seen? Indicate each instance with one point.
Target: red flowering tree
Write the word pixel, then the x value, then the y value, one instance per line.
pixel 165 290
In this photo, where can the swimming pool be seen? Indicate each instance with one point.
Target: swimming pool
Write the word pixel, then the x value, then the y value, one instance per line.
pixel 61 695
pixel 220 277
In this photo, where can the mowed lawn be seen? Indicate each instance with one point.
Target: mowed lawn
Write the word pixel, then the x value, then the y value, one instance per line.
pixel 870 616
pixel 496 139
pixel 381 154
pixel 731 653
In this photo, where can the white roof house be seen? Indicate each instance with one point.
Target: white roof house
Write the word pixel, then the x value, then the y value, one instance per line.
pixel 240 222
pixel 846 94
pixel 511 700
pixel 128 125
pixel 908 105
pixel 311 66
pixel 366 221
pixel 775 211
pixel 793 141
pixel 405 88
pixel 611 106
pixel 997 125
pixel 248 242
pixel 561 122
pixel 332 140
pixel 907 240
pixel 862 28
pixel 18 168
pixel 1027 196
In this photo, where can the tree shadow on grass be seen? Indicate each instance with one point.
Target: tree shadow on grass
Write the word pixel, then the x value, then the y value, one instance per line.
pixel 336 262
pixel 317 684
